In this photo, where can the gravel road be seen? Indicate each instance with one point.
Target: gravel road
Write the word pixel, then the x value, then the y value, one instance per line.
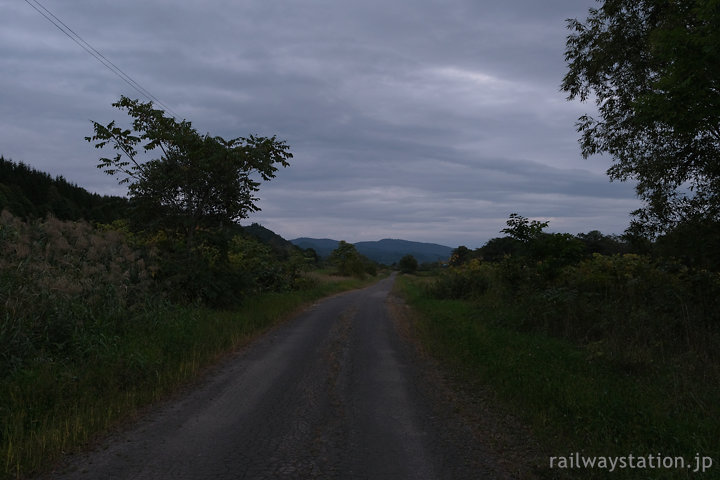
pixel 336 392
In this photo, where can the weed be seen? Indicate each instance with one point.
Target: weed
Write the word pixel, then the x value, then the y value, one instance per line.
pixel 579 396
pixel 86 340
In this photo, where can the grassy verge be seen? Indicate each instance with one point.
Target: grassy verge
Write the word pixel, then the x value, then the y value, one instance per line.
pixel 54 404
pixel 575 400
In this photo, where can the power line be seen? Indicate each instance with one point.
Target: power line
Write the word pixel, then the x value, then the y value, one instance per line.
pixel 98 56
pixel 95 53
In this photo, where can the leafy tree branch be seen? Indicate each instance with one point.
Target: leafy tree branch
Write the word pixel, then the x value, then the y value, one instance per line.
pixel 653 69
pixel 197 180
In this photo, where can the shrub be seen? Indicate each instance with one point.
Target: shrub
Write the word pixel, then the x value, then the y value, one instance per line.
pixel 625 305
pixel 348 261
pixel 59 278
pixel 408 264
pixel 469 281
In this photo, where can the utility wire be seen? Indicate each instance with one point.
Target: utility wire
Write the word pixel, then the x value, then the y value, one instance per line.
pixel 98 56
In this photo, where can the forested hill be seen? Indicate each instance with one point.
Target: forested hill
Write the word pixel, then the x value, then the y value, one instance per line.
pixel 386 251
pixel 29 193
pixel 322 246
pixel 268 237
pixel 390 250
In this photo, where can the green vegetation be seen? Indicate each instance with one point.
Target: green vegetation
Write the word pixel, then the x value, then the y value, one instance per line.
pixel 348 262
pixel 28 193
pixel 199 181
pixel 408 264
pixel 602 354
pixel 105 310
pixel 653 69
pixel 607 345
pixel 90 332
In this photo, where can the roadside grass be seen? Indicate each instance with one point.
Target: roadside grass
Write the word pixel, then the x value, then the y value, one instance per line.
pixel 575 400
pixel 55 405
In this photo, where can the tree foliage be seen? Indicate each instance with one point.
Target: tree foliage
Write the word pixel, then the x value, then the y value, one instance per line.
pixel 347 259
pixel 29 193
pixel 523 229
pixel 496 249
pixel 460 255
pixel 197 180
pixel 653 69
pixel 408 264
pixel 350 262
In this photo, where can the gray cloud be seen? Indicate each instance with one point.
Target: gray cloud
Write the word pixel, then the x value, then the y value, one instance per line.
pixel 427 120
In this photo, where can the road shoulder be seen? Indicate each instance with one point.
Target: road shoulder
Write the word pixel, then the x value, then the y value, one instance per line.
pixel 517 454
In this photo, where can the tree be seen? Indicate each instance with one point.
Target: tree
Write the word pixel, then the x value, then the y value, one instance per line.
pixel 653 68
pixel 198 180
pixel 460 255
pixel 408 264
pixel 311 256
pixel 496 249
pixel 347 260
pixel 596 242
pixel 523 229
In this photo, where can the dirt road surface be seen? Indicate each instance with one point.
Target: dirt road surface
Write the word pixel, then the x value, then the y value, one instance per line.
pixel 335 393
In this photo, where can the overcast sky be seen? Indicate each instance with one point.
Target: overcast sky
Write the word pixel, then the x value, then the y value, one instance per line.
pixel 428 120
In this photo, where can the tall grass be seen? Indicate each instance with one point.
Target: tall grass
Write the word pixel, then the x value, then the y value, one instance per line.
pixel 629 309
pixel 594 397
pixel 86 341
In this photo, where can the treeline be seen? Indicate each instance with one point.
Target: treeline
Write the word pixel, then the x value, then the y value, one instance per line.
pixel 692 243
pixel 636 301
pixel 28 193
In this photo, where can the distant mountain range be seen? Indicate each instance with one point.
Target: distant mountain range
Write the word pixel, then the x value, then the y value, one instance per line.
pixel 386 251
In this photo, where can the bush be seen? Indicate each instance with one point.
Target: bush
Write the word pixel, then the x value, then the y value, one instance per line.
pixel 350 263
pixel 408 264
pixel 58 278
pixel 467 282
pixel 260 266
pixel 627 306
pixel 647 303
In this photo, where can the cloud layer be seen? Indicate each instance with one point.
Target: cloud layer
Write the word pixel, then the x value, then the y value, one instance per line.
pixel 427 120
